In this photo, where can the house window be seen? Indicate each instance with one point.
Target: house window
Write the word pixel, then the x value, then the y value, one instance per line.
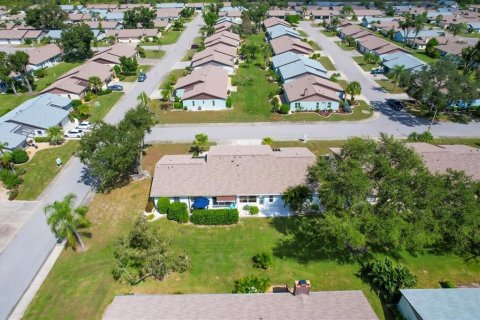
pixel 213 103
pixel 297 105
pixel 270 199
pixel 176 199
pixel 193 103
pixel 329 105
pixel 248 199
pixel 318 105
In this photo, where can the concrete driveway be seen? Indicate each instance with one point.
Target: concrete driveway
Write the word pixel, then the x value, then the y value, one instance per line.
pixel 13 216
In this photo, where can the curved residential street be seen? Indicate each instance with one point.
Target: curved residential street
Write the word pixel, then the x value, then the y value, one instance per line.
pixel 25 254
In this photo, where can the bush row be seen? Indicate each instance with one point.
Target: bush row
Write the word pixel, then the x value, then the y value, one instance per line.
pixel 178 211
pixel 214 216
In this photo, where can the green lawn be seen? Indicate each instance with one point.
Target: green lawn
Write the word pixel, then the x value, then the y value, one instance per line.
pixel 154 54
pixel 470 35
pixel 327 63
pixel 106 103
pixel 420 54
pixel 344 46
pixel 366 67
pixel 42 168
pixel 389 86
pixel 314 45
pixel 10 101
pixel 141 68
pixel 360 112
pixel 329 33
pixel 189 55
pixel 80 285
pixel 302 33
pixel 177 73
pixel 53 73
pixel 168 37
pixel 343 83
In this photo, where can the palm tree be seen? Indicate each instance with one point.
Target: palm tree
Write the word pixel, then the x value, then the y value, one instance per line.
pixel 334 22
pixel 6 157
pixel 267 53
pixel 458 28
pixel 200 144
pixel 267 141
pixel 353 89
pixel 395 74
pixel 65 221
pixel 95 84
pixel 55 135
pixel 471 57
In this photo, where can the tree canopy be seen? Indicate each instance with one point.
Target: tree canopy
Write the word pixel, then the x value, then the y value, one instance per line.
pixel 48 16
pixel 135 17
pixel 76 43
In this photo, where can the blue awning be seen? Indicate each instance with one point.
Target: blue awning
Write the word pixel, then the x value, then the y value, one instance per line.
pixel 200 203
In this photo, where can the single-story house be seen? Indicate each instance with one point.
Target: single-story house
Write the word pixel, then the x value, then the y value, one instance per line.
pixel 311 93
pixel 232 176
pixel 74 84
pixel 353 31
pixel 219 39
pixel 105 25
pixel 19 36
pixel 44 57
pixel 227 19
pixel 218 55
pixel 326 305
pixel 168 13
pixel 196 5
pixel 111 55
pixel 399 36
pixel 280 31
pixel 102 6
pixel 113 16
pixel 390 60
pixel 324 13
pixel 295 67
pixel 281 14
pixel 367 13
pixel 438 159
pixel 71 8
pixel 286 43
pixel 453 47
pixel 272 22
pixel 384 27
pixel 474 27
pixel 368 22
pixel 79 17
pixel 162 24
pixel 133 35
pixel 224 33
pixel 377 45
pixel 204 89
pixel 433 304
pixel 55 35
pixel 224 26
pixel 32 118
pixel 170 5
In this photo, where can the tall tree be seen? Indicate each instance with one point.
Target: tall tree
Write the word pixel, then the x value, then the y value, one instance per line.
pixel 5 71
pixel 458 28
pixel 55 135
pixel 18 62
pixel 135 17
pixel 48 16
pixel 353 89
pixel 75 42
pixel 471 58
pixel 66 221
pixel 95 84
pixel 407 25
pixel 297 197
pixel 395 74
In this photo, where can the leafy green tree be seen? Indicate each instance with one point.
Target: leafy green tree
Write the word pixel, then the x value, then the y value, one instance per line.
pixel 75 42
pixel 292 18
pixel 297 197
pixel 351 42
pixel 430 49
pixel 139 16
pixel 55 135
pixel 128 65
pixel 5 71
pixel 387 279
pixel 458 28
pixel 18 62
pixel 210 18
pixel 144 254
pixel 251 284
pixel 471 58
pixel 200 144
pixel 46 17
pixel 257 12
pixel 95 84
pixel 67 222
pixel 353 89
pixel 262 260
pixel 407 25
pixel 347 10
pixel 187 12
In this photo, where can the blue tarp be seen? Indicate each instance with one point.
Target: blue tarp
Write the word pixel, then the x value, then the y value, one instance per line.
pixel 200 203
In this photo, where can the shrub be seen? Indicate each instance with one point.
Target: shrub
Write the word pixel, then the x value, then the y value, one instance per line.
pixel 178 211
pixel 253 210
pixel 150 216
pixel 214 217
pixel 41 139
pixel 40 73
pixel 420 137
pixel 121 77
pixel 314 207
pixel 178 105
pixel 262 260
pixel 251 284
pixel 117 69
pixel 10 180
pixel 162 205
pixel 89 96
pixel 19 156
pixel 229 102
pixel 105 92
pixel 76 103
pixel 447 284
pixel 284 109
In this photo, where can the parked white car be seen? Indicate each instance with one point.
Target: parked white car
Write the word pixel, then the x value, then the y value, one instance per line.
pixel 84 125
pixel 75 133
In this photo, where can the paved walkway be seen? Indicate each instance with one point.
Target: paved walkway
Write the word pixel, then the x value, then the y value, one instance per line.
pixel 27 252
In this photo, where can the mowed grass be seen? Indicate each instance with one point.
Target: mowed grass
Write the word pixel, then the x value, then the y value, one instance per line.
pixel 53 73
pixel 388 86
pixel 80 285
pixel 344 46
pixel 365 66
pixel 154 54
pixel 141 68
pixel 327 63
pixel 106 103
pixel 329 33
pixel 9 101
pixel 42 168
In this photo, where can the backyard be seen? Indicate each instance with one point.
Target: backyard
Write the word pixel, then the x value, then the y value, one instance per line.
pixel 80 284
pixel 10 101
pixel 42 168
pixel 53 73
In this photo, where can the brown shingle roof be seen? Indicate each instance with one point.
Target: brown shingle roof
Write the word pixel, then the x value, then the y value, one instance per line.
pixel 270 22
pixel 312 88
pixel 132 33
pixel 41 54
pixel 105 24
pixel 113 54
pixel 209 81
pixel 232 170
pixel 227 34
pixel 214 40
pixel 287 43
pixel 168 13
pixel 326 305
pixel 12 34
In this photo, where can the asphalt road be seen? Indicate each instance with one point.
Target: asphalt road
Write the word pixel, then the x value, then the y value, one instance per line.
pixel 397 123
pixel 25 254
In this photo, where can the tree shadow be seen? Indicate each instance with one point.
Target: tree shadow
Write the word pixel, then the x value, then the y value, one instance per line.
pixel 87 179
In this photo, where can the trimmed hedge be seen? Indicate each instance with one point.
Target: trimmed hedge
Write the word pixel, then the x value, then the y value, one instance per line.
pixel 178 211
pixel 19 156
pixel 162 205
pixel 41 139
pixel 214 216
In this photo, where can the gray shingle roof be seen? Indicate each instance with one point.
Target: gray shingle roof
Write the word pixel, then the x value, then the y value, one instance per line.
pixel 317 305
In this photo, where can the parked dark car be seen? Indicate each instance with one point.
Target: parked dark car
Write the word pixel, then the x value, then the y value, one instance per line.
pixel 115 87
pixel 395 104
pixel 194 46
pixel 377 71
pixel 142 77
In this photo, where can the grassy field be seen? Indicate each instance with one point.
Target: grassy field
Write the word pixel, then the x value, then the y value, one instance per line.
pixel 314 45
pixel 141 68
pixel 389 86
pixel 327 63
pixel 106 103
pixel 80 285
pixel 329 33
pixel 42 168
pixel 53 73
pixel 344 46
pixel 10 101
pixel 366 67
pixel 154 54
